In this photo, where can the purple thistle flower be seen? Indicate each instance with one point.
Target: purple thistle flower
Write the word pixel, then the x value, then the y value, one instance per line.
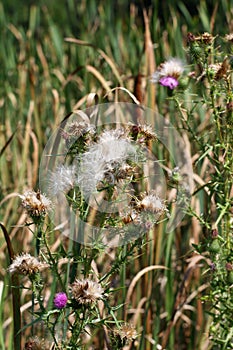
pixel 168 73
pixel 60 300
pixel 170 82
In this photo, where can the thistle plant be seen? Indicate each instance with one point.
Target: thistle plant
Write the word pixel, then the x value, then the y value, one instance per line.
pixel 102 179
pixel 214 64
pixel 204 111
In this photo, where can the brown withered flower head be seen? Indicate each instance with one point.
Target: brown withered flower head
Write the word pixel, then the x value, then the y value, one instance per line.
pixel 78 129
pixel 205 38
pixel 129 216
pixel 229 37
pixel 86 291
pixel 145 133
pixel 229 266
pixel 220 70
pixel 26 265
pixel 229 107
pixel 151 202
pixel 36 204
pixel 35 343
pixel 126 332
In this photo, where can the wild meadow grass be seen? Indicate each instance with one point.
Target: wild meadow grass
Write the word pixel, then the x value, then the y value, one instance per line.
pixel 161 290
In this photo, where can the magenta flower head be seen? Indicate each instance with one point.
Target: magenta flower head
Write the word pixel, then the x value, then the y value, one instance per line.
pixel 60 300
pixel 169 82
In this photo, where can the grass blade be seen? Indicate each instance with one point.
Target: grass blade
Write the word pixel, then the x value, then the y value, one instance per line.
pixel 15 294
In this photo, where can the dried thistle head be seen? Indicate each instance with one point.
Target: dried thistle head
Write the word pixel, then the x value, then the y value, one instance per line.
pixel 229 37
pixel 116 172
pixel 35 343
pixel 86 291
pixel 36 204
pixel 222 71
pixel 151 207
pixel 127 332
pixel 205 38
pixel 26 265
pixel 143 132
pixel 130 216
pixel 77 129
pixel 152 203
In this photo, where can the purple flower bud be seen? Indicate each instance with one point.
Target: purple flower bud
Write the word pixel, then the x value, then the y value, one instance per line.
pixel 170 82
pixel 148 225
pixel 229 266
pixel 214 233
pixel 60 300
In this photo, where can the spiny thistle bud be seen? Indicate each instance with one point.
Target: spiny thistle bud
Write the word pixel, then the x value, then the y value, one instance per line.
pixel 195 52
pixel 214 233
pixel 229 107
pixel 229 266
pixel 214 245
pixel 230 277
pixel 175 175
pixel 229 112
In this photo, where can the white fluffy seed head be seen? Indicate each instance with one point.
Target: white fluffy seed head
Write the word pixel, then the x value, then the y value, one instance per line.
pixel 173 67
pixel 62 179
pixel 113 148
